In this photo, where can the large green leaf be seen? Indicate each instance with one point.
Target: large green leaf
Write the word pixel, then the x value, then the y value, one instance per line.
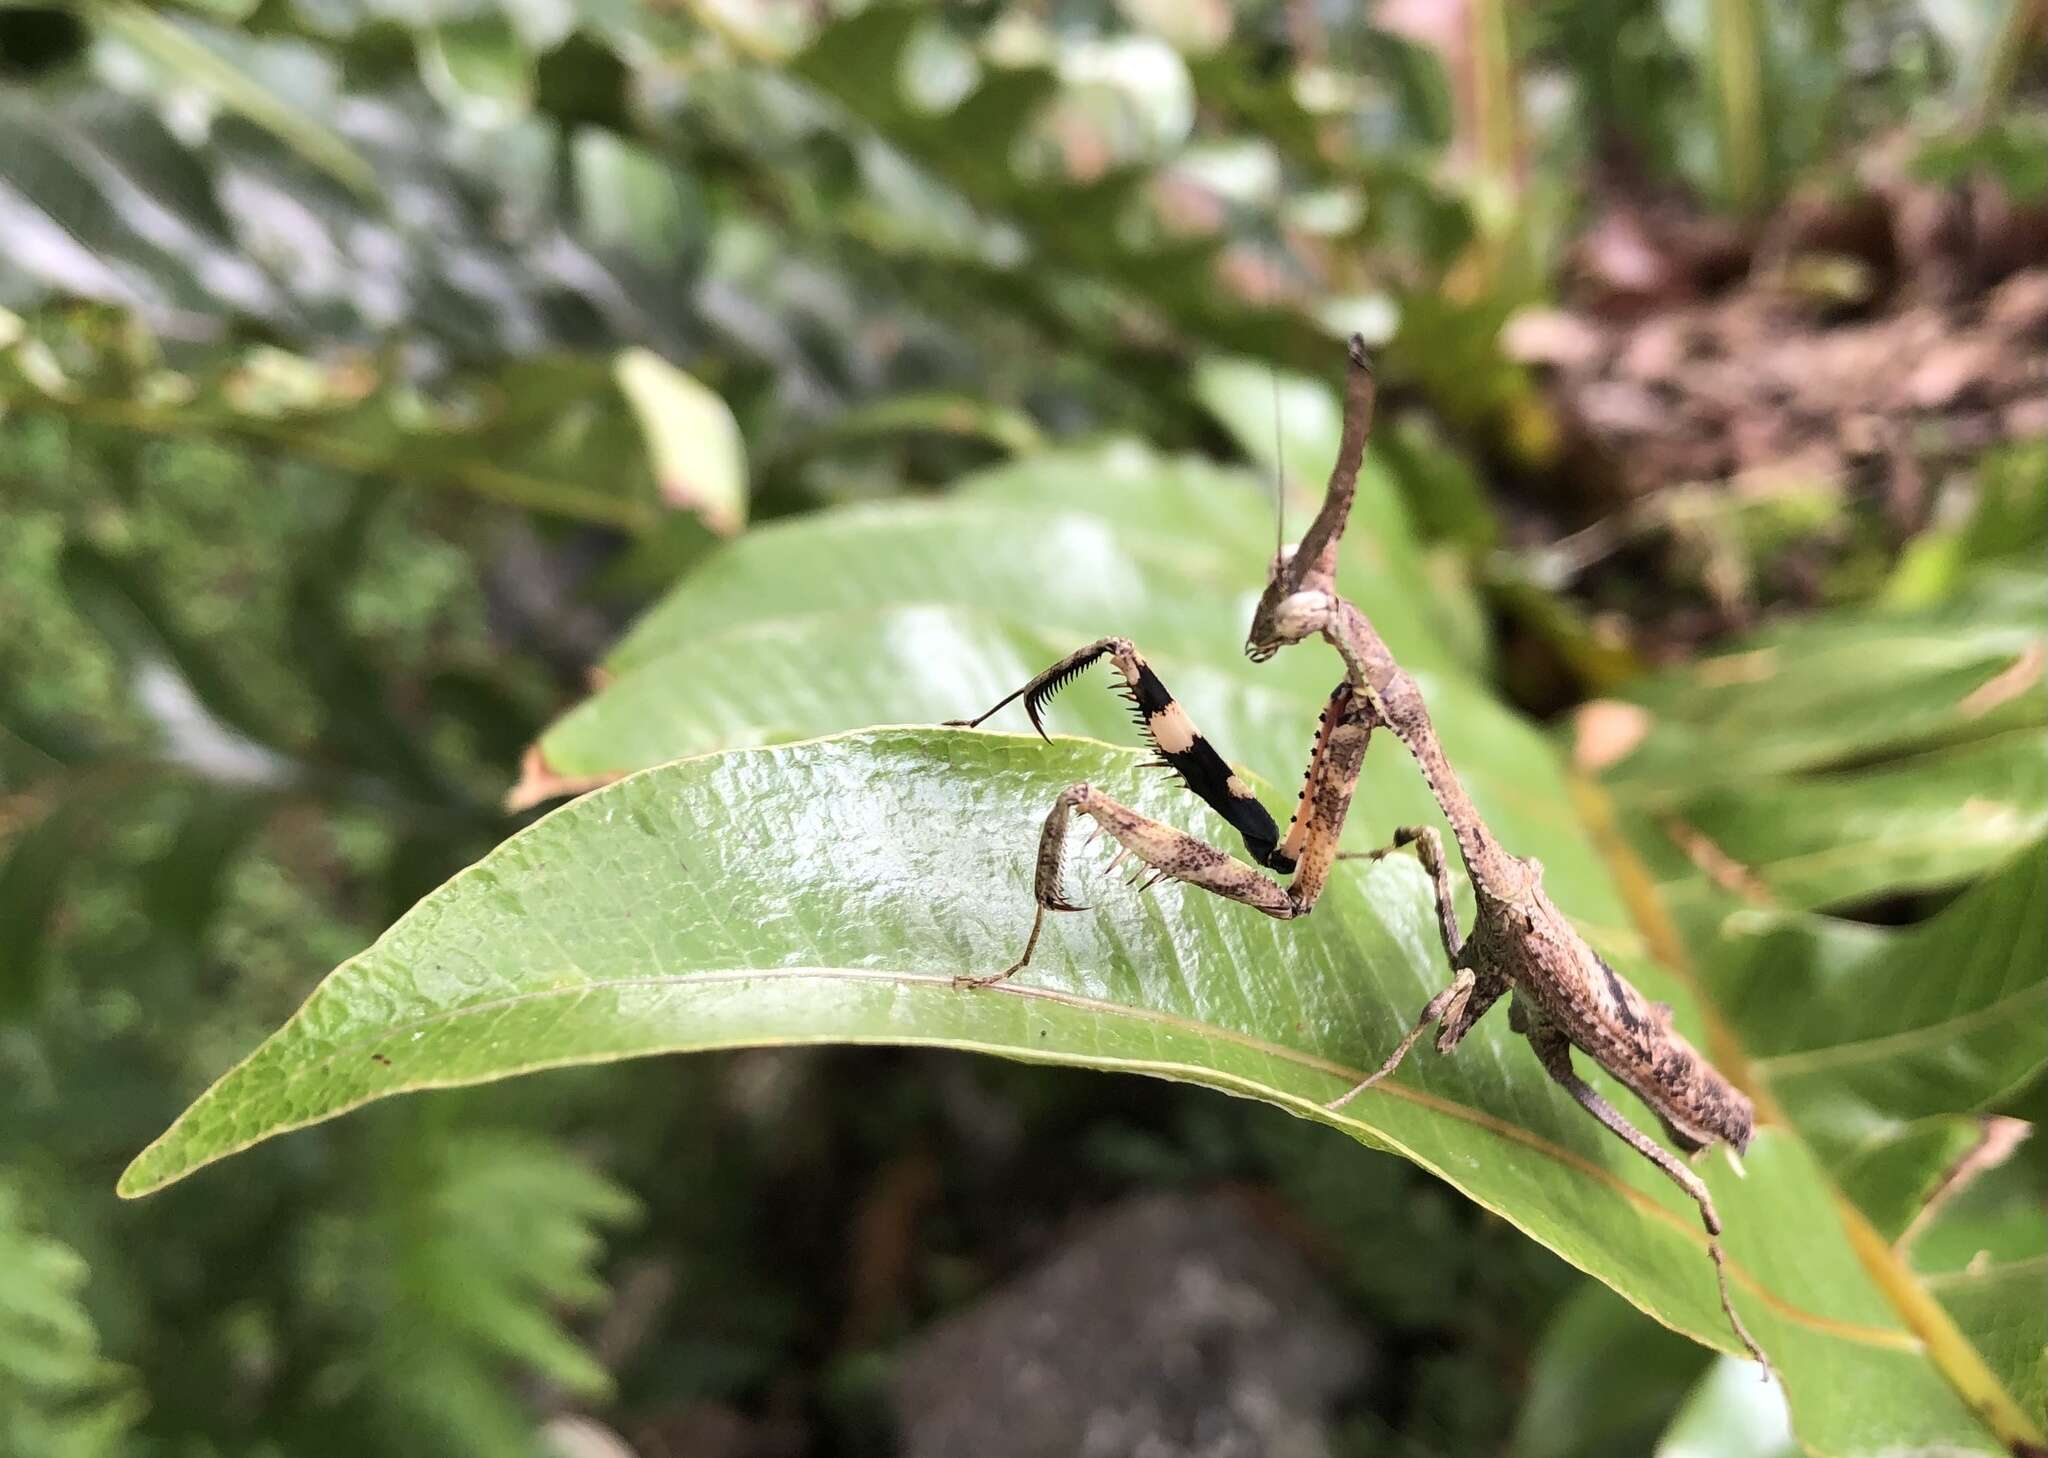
pixel 1862 1031
pixel 1850 687
pixel 829 891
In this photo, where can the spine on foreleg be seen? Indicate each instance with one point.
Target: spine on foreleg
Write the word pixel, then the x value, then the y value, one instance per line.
pixel 1333 778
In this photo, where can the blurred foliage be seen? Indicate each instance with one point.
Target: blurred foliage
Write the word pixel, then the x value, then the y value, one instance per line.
pixel 364 367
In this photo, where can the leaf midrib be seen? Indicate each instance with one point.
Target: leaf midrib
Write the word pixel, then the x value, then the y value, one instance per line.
pixel 1858 1333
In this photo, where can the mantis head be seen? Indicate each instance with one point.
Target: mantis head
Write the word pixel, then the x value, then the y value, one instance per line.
pixel 1302 581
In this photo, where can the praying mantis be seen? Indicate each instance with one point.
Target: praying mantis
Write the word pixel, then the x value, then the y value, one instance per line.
pixel 1564 996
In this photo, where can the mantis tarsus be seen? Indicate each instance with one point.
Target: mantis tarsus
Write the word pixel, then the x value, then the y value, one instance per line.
pixel 1565 995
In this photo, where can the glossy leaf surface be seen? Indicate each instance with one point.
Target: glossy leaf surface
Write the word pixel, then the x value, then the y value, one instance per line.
pixel 829 891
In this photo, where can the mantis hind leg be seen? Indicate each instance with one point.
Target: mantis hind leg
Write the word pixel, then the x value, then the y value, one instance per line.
pixel 1555 1052
pixel 1444 1006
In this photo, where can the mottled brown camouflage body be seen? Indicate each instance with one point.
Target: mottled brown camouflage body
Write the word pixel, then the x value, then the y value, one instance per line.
pixel 1565 996
pixel 1541 955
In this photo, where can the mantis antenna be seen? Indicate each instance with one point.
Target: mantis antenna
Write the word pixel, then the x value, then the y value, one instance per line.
pixel 1279 473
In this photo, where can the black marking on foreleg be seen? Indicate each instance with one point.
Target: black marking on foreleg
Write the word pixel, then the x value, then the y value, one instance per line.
pixel 1170 732
pixel 1184 750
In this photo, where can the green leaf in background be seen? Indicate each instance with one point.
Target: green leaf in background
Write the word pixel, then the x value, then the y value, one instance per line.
pixel 1170 552
pixel 1097 227
pixel 32 870
pixel 214 63
pixel 630 197
pixel 119 596
pixel 829 891
pixel 1011 431
pixel 478 69
pixel 1603 1381
pixel 1848 687
pixel 1074 565
pixel 1843 758
pixel 1730 1415
pixel 1885 1046
pixel 700 463
pixel 489 1233
pixel 1925 821
pixel 2006 518
pixel 1863 1032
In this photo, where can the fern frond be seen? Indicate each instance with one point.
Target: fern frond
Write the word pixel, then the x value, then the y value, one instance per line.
pixel 59 1396
pixel 489 1236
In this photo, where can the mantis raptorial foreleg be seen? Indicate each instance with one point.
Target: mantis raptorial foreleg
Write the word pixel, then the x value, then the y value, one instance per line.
pixel 1308 849
pixel 1167 727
